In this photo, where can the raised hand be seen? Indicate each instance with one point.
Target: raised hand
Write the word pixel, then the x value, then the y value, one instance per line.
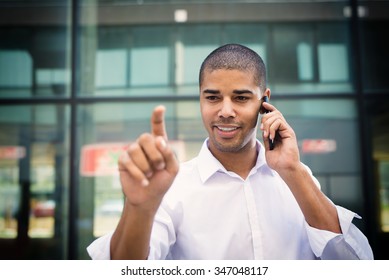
pixel 274 126
pixel 148 166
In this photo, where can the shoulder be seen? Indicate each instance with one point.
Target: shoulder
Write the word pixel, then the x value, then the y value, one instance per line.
pixel 188 168
pixel 187 174
pixel 186 182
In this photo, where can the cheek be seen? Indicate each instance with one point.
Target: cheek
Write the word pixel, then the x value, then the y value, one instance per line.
pixel 207 112
pixel 204 116
pixel 253 118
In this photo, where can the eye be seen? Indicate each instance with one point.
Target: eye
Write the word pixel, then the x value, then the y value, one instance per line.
pixel 242 98
pixel 212 97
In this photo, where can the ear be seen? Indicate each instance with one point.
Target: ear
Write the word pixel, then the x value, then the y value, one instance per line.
pixel 266 95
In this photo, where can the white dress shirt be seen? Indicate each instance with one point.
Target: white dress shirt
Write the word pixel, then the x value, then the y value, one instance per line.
pixel 211 213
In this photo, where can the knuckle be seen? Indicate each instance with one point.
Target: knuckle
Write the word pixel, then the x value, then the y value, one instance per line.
pixel 156 159
pixel 133 148
pixel 144 137
pixel 122 161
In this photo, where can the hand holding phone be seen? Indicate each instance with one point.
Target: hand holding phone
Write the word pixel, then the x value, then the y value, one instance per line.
pixel 264 110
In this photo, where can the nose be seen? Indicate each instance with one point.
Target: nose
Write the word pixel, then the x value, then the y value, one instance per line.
pixel 227 110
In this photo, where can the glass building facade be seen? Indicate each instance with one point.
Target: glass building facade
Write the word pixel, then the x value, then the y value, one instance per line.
pixel 79 79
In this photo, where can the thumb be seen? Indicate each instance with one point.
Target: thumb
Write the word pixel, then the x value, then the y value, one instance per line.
pixel 158 122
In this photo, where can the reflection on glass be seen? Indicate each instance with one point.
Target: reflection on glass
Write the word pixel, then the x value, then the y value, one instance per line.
pixel 34 64
pixel 164 60
pixel 111 68
pixel 9 189
pixel 384 194
pixel 333 63
pixel 377 115
pixel 32 169
pixel 310 58
pixel 42 203
pixel 15 61
pixel 305 62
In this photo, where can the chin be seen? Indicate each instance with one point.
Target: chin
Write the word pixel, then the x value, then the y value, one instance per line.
pixel 227 148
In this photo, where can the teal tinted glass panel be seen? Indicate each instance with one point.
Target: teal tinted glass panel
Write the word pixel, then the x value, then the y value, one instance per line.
pixel 34 50
pixel 150 59
pixel 34 159
pixel 302 58
pixel 310 58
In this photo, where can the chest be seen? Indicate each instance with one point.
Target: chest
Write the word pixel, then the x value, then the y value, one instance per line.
pixel 240 220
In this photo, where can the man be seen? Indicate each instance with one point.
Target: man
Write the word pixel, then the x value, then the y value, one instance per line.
pixel 238 199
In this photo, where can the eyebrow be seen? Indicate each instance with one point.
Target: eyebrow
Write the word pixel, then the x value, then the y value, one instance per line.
pixel 211 91
pixel 242 91
pixel 236 91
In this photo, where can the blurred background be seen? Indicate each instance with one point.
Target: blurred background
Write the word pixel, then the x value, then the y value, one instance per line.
pixel 79 79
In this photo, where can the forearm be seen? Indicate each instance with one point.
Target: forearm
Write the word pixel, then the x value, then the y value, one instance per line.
pixel 318 211
pixel 131 238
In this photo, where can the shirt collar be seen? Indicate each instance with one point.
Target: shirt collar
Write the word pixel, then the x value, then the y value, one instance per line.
pixel 208 165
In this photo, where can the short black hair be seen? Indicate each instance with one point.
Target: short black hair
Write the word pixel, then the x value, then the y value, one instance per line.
pixel 235 57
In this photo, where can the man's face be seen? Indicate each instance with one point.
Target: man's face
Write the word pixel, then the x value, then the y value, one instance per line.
pixel 229 101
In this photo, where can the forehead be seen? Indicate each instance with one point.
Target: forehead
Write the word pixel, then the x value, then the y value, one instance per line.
pixel 228 77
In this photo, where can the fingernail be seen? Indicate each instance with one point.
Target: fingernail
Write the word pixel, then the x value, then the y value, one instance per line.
pixel 145 182
pixel 261 126
pixel 163 143
pixel 161 166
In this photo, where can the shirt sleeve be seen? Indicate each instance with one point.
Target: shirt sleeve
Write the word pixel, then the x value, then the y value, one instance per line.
pixel 351 244
pixel 163 236
pixel 100 248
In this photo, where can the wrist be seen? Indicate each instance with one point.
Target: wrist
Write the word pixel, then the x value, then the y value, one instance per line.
pixel 146 209
pixel 293 172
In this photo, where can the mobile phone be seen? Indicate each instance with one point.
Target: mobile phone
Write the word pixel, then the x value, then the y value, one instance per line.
pixel 266 99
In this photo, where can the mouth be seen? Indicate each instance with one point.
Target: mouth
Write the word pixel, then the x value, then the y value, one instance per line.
pixel 227 128
pixel 226 131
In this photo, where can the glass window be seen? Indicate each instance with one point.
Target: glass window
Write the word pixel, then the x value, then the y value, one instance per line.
pixel 310 58
pixel 14 61
pixel 150 61
pixel 157 60
pixel 377 117
pixel 374 34
pixel 383 171
pixel 333 63
pixel 141 60
pixel 33 175
pixel 305 62
pixel 34 64
pixel 111 68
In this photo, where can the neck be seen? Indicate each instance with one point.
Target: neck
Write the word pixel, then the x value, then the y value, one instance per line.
pixel 240 162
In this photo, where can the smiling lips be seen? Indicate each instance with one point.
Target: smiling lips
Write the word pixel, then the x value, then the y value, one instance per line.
pixel 226 131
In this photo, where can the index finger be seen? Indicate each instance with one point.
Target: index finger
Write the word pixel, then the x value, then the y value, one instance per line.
pixel 158 122
pixel 268 107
